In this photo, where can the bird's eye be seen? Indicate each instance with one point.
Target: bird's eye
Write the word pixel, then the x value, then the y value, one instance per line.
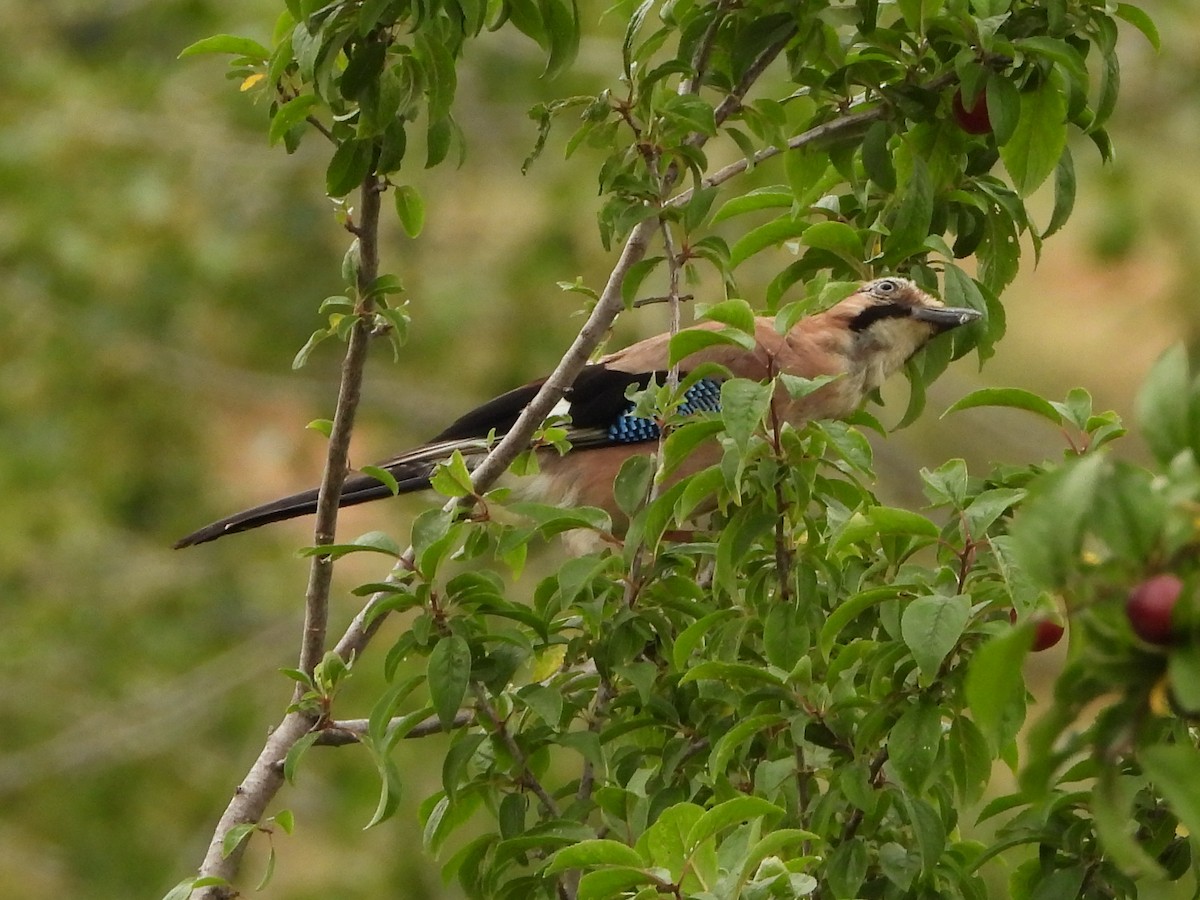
pixel 885 287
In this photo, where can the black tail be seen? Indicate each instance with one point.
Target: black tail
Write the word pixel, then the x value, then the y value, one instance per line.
pixel 357 489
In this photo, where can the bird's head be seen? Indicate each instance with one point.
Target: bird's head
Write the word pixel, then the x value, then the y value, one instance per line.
pixel 884 322
pixel 895 318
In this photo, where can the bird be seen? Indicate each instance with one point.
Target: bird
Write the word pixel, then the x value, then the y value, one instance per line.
pixel 859 342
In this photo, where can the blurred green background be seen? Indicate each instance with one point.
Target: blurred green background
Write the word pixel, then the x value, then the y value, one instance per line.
pixel 161 265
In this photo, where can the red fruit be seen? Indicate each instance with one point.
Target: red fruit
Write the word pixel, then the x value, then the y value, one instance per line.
pixel 974 120
pixel 1149 608
pixel 1046 634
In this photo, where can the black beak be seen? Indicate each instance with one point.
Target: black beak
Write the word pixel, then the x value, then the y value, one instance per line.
pixel 943 318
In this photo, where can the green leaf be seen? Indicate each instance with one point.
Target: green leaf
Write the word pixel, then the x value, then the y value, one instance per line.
pixel 363 69
pixel 732 740
pixel 892 520
pixel 909 225
pixel 373 541
pixel 441 79
pixel 664 841
pixel 1141 21
pixel 785 636
pixel 227 43
pixel 1040 136
pixel 635 276
pixel 744 403
pixel 846 867
pixel 605 884
pixel 1048 532
pixel 235 836
pixel 1015 398
pixel 689 112
pixel 723 815
pixel 1064 193
pixel 289 115
pixel 1129 515
pixel 772 844
pixel 995 687
pixel 836 237
pixel 1173 768
pixel 759 198
pixel 877 159
pixel 437 141
pixel 545 702
pixel 963 291
pixel 561 20
pixel 684 439
pixel 632 485
pixel 302 355
pixel 384 476
pixel 689 639
pixel 735 312
pixel 1183 667
pixel 411 209
pixel 1164 405
pixel 1112 812
pixel 970 760
pixel 1003 108
pixel 1057 50
pixel 931 627
pixel 769 235
pixel 913 745
pixel 847 611
pixel 587 854
pixel 693 340
pixel 988 506
pixel 348 168
pixel 928 829
pixel 455 761
pixel 452 478
pixel 449 673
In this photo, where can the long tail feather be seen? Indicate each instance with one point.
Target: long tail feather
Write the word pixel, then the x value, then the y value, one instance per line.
pixel 411 471
pixel 357 489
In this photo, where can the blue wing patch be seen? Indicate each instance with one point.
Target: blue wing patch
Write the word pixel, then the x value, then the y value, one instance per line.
pixel 703 396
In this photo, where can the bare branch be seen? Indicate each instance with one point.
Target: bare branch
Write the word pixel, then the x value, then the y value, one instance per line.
pixel 341 732
pixel 249 802
pixel 265 777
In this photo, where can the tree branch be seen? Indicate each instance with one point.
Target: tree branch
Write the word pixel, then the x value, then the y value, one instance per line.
pixel 841 126
pixel 265 776
pixel 341 732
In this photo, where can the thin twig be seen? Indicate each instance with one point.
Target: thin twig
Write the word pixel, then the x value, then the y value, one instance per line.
pixel 265 776
pixel 340 732
pixel 320 126
pixel 664 298
pixel 337 463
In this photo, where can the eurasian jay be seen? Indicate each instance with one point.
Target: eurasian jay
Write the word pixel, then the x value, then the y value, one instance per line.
pixel 860 341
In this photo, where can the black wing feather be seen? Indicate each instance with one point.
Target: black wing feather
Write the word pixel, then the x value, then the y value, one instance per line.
pixel 597 398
